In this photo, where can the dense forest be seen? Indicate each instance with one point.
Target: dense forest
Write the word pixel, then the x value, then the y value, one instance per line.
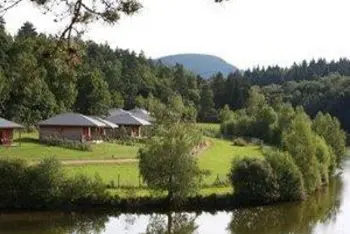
pixel 35 85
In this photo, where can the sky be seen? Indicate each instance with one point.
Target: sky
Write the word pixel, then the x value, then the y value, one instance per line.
pixel 246 33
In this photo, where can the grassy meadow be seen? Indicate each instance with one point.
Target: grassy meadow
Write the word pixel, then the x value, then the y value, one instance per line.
pixel 215 159
pixel 29 148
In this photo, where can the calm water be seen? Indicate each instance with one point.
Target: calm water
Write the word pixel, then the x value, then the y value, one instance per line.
pixel 325 213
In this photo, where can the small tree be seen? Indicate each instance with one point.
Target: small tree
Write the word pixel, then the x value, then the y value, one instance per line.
pixel 299 141
pixel 166 162
pixel 225 114
pixel 329 128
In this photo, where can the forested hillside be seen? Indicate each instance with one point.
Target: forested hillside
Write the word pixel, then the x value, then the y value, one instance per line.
pixel 35 84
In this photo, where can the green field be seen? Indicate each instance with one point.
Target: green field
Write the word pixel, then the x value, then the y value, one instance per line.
pixel 217 159
pixel 128 172
pixel 30 149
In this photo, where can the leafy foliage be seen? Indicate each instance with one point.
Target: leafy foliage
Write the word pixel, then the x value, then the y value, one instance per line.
pixel 43 185
pixel 254 180
pixel 298 140
pixel 289 178
pixel 329 128
pixel 66 143
pixel 166 162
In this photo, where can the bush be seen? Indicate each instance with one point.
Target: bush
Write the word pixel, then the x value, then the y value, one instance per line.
pixel 289 178
pixel 12 182
pixel 82 187
pixel 44 186
pixel 238 141
pixel 254 180
pixel 65 143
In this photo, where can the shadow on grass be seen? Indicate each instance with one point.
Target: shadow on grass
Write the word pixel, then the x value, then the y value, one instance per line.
pixel 27 140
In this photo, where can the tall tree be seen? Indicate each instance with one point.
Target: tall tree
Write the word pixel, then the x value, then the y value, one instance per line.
pixel 206 108
pixel 27 30
pixel 93 95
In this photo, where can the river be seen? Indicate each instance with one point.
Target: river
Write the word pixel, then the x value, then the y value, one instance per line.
pixel 327 212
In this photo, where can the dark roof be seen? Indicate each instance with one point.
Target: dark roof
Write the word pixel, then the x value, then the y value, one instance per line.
pixel 118 111
pixel 141 113
pixel 108 123
pixel 127 119
pixel 4 123
pixel 72 119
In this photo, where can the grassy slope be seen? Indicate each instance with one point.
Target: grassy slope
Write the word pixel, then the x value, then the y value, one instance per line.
pixel 30 149
pixel 217 159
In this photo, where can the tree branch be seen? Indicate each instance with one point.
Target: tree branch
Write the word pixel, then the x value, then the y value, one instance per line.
pixel 10 6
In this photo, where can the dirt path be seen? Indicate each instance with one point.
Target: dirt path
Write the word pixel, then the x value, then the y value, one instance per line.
pixel 197 152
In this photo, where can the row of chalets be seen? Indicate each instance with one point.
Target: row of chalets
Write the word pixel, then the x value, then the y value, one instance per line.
pixel 79 127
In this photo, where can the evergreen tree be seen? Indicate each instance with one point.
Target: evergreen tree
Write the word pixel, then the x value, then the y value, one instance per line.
pixel 27 30
pixel 93 95
pixel 206 109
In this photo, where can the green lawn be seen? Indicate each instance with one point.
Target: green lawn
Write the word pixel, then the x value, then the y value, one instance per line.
pixel 128 172
pixel 216 159
pixel 30 149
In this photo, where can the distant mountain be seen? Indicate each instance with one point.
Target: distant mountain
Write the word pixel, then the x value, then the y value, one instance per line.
pixel 201 64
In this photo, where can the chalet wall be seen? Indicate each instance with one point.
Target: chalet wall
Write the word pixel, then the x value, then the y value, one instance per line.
pixel 70 133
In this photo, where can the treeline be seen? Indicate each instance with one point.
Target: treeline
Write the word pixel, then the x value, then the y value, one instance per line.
pixel 36 83
pixel 329 94
pixel 303 152
pixel 39 79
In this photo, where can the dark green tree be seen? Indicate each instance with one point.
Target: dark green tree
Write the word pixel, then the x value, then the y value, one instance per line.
pixel 206 104
pixel 93 95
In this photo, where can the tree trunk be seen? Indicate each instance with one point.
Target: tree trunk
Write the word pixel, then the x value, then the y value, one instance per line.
pixel 170 222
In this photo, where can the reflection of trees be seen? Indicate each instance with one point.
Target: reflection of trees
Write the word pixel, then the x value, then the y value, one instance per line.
pixel 172 224
pixel 292 217
pixel 53 223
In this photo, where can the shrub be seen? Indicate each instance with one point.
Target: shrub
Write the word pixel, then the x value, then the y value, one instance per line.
pixel 289 178
pixel 44 182
pixel 65 143
pixel 12 181
pixel 254 180
pixel 82 187
pixel 239 141
pixel 44 186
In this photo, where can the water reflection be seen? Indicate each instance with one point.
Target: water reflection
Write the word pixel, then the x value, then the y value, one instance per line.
pixel 301 218
pixel 172 224
pixel 52 223
pixel 325 213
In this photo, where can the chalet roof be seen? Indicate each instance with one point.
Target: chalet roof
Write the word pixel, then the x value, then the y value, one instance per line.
pixel 106 122
pixel 72 119
pixel 128 119
pixel 142 114
pixel 4 123
pixel 118 111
